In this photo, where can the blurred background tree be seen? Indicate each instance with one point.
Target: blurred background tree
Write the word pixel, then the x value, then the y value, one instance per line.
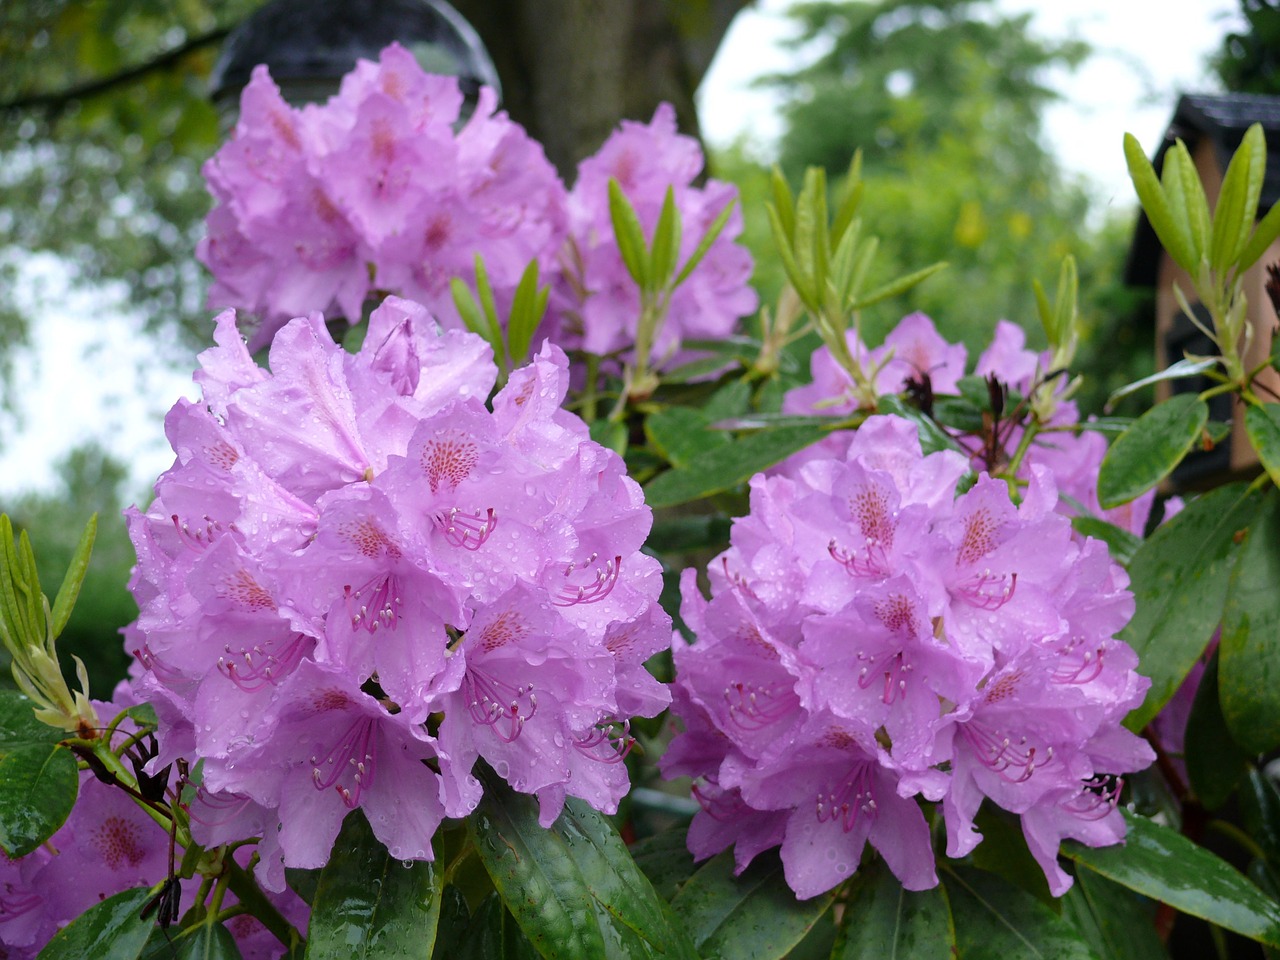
pixel 1249 60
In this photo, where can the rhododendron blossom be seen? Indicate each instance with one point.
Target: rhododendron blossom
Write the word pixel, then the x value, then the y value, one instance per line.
pixel 357 580
pixel 874 640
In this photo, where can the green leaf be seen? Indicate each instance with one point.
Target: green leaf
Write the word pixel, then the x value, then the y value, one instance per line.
pixel 1237 206
pixel 493 935
pixel 1148 451
pixel 1263 426
pixel 1215 762
pixel 527 308
pixel 682 434
pixel 535 875
pixel 471 315
pixel 665 859
pixel 1174 237
pixel 1118 924
pixel 666 241
pixel 1162 864
pixel 1250 648
pixel 368 904
pixel 70 588
pixel 210 941
pixel 708 238
pixel 754 916
pixel 455 920
pixel 724 467
pixel 1260 813
pixel 629 236
pixel 19 726
pixel 1182 369
pixel 38 785
pixel 1263 236
pixel 783 205
pixel 1121 544
pixel 111 930
pixel 611 434
pixel 799 282
pixel 1186 197
pixel 884 921
pixel 895 287
pixel 1179 579
pixel 995 920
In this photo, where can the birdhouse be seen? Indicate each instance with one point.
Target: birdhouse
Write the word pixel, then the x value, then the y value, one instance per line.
pixel 1212 128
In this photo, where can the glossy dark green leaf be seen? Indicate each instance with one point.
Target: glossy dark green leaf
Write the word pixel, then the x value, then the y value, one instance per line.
pixel 1117 923
pixel 208 942
pixel 38 785
pixel 492 934
pixel 618 885
pixel 754 916
pixel 1121 544
pixel 368 904
pixel 111 930
pixel 995 920
pixel 1260 813
pixel 1215 762
pixel 1179 579
pixel 884 921
pixel 455 921
pixel 1004 852
pixel 1162 864
pixel 1249 671
pixel 1148 451
pixel 724 467
pixel 19 726
pixel 681 435
pixel 535 875
pixel 1263 426
pixel 665 859
pixel 611 434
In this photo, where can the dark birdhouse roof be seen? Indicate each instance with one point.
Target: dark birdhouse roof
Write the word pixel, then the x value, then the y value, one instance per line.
pixel 1223 118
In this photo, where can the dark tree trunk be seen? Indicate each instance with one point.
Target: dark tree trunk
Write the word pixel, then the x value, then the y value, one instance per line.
pixel 571 69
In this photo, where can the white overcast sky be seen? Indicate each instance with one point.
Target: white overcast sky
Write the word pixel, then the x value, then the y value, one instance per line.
pixel 93 376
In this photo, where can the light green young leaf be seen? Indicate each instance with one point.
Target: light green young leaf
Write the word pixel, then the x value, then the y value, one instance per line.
pixel 71 583
pixel 783 204
pixel 666 242
pixel 1180 184
pixel 494 325
pixel 896 287
pixel 629 235
pixel 1263 236
pixel 527 309
pixel 1238 201
pixel 1185 367
pixel 470 312
pixel 850 199
pixel 708 238
pixel 1172 235
pixel 799 282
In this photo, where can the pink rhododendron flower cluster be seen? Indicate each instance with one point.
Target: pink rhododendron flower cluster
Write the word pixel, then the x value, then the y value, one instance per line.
pixel 357 580
pixel 914 353
pixel 374 191
pixel 596 300
pixel 873 640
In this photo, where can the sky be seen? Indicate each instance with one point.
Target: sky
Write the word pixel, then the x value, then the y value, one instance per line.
pixel 98 378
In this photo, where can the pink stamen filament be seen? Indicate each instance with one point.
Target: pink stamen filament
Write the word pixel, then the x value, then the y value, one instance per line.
pixel 854 797
pixel 753 707
pixel 1096 799
pixel 169 676
pixel 13 905
pixel 467 530
pixel 988 591
pixel 260 666
pixel 199 539
pixel 599 588
pixel 872 561
pixel 719 804
pixel 1089 670
pixel 352 756
pixel 893 667
pixel 616 735
pixel 491 701
pixel 1002 754
pixel 375 604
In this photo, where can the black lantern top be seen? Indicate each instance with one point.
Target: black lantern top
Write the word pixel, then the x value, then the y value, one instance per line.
pixel 309 45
